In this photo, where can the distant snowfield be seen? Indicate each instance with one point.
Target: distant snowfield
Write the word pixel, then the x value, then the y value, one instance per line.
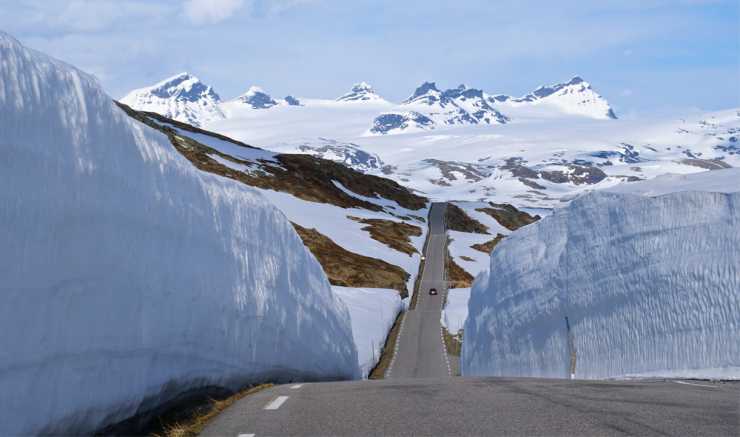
pixel 642 280
pixel 537 137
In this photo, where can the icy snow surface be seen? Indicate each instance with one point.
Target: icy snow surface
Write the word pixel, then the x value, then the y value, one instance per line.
pixel 455 311
pixel 649 286
pixel 373 311
pixel 128 275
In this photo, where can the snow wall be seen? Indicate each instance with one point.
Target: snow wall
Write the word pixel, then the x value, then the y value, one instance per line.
pixel 649 286
pixel 127 275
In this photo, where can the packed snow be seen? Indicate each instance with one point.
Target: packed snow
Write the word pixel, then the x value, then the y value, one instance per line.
pixel 372 311
pixel 642 280
pixel 128 272
pixel 455 311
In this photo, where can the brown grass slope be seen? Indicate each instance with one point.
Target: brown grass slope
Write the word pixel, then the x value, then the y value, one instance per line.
pixel 395 235
pixel 349 269
pixel 304 176
pixel 488 246
pixel 509 217
pixel 310 178
pixel 457 220
pixel 457 277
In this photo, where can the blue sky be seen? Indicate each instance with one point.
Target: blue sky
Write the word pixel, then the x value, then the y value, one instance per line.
pixel 642 55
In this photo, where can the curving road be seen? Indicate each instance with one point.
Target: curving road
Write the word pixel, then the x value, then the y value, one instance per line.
pixel 421 352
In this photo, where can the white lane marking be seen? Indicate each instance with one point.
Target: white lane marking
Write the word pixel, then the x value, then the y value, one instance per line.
pixel 245 435
pixel 395 348
pixel 698 385
pixel 276 403
pixel 297 386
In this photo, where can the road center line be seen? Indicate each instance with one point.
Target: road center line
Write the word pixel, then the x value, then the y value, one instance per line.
pixel 297 386
pixel 245 435
pixel 698 385
pixel 276 403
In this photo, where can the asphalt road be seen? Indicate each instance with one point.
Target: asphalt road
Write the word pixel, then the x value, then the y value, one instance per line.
pixel 486 406
pixel 420 398
pixel 421 352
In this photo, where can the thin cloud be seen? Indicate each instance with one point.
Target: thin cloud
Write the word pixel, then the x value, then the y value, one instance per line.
pixel 211 11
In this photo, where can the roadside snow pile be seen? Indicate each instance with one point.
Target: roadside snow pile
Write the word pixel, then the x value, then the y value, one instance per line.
pixel 455 311
pixel 129 276
pixel 623 283
pixel 373 311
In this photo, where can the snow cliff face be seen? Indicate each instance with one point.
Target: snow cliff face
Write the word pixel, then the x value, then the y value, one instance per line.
pixel 362 91
pixel 575 97
pixel 127 274
pixel 182 97
pixel 643 281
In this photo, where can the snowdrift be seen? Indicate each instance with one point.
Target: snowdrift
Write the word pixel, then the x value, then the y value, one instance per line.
pixel 641 281
pixel 127 275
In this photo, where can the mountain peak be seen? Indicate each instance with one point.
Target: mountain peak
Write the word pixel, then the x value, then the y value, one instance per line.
pixel 422 90
pixel 182 97
pixel 575 96
pixel 257 98
pixel 361 91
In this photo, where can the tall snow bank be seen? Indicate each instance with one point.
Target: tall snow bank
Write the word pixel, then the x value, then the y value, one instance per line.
pixel 373 312
pixel 624 283
pixel 127 275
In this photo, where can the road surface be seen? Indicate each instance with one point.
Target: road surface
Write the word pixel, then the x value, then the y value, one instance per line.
pixel 486 406
pixel 421 352
pixel 420 398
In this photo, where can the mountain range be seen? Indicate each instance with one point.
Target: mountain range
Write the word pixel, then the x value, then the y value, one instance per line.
pixel 185 98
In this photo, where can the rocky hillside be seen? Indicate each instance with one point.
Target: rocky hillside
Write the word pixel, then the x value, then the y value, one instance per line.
pixel 359 211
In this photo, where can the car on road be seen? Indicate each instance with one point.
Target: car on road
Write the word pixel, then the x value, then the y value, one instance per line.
pixel 432 291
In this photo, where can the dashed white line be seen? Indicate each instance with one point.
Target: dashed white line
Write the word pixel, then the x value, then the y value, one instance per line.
pixel 245 435
pixel 276 403
pixel 295 387
pixel 395 348
pixel 698 385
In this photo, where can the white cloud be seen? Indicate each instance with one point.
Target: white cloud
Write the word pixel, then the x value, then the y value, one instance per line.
pixel 211 11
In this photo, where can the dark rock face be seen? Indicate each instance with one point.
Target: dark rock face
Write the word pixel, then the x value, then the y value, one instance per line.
pixel 384 123
pixel 349 154
pixel 292 101
pixel 258 100
pixel 577 173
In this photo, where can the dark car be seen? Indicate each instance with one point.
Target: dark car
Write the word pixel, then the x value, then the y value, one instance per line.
pixel 432 291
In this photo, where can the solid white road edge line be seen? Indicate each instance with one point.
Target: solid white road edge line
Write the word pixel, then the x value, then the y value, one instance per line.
pixel 245 435
pixel 698 385
pixel 297 386
pixel 276 403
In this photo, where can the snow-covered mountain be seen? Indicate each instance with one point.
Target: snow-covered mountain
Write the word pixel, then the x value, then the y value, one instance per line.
pixel 257 98
pixel 640 280
pixel 428 107
pixel 575 97
pixel 182 97
pixel 360 92
pixel 132 274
